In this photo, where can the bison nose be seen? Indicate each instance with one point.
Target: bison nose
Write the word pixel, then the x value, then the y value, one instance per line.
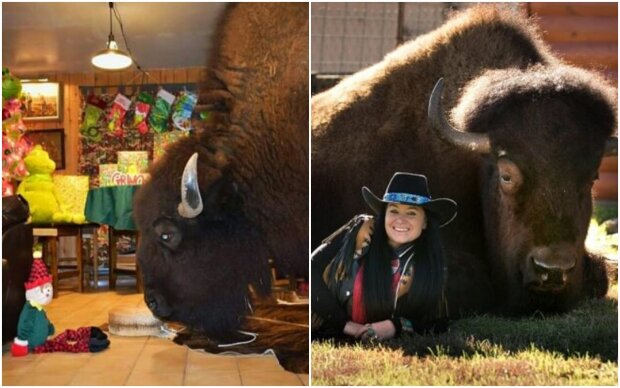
pixel 156 303
pixel 151 303
pixel 550 265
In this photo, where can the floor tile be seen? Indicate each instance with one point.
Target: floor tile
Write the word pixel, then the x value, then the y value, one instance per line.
pixel 111 377
pixel 118 364
pixel 45 379
pixel 145 378
pixel 270 378
pixel 61 363
pixel 199 361
pixel 259 363
pixel 212 378
pixel 164 360
pixel 305 379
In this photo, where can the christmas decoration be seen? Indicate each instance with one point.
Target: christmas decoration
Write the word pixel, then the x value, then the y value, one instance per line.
pixel 14 145
pixel 160 113
pixel 182 111
pixel 11 86
pixel 117 114
pixel 90 127
pixel 143 106
pixel 34 328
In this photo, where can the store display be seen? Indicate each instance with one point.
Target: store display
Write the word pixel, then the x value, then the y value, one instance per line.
pixel 72 191
pixel 133 162
pixel 162 140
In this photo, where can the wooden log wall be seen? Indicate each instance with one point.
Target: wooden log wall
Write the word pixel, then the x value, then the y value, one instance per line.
pixel 585 35
pixel 72 99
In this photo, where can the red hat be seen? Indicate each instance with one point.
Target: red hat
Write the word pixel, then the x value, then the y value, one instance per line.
pixel 38 275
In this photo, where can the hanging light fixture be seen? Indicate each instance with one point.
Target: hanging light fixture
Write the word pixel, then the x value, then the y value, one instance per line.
pixel 112 58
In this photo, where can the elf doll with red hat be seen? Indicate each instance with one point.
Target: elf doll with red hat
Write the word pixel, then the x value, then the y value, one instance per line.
pixel 34 328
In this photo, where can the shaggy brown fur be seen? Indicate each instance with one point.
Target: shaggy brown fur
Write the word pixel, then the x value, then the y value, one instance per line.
pixel 252 174
pixel 284 329
pixel 379 116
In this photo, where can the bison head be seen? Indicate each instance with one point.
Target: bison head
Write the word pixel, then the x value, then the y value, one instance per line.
pixel 542 133
pixel 198 251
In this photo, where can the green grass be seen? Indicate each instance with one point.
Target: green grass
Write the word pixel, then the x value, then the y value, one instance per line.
pixel 604 210
pixel 577 348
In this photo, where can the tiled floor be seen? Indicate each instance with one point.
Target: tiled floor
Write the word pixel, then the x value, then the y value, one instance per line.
pixel 133 360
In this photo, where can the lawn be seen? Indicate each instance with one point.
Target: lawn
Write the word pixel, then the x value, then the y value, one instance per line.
pixel 577 348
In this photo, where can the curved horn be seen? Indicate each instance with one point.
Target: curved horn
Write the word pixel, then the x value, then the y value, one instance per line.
pixel 191 202
pixel 611 146
pixel 478 142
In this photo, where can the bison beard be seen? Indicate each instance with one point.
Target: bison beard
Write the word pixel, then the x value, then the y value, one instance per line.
pixel 243 198
pixel 530 134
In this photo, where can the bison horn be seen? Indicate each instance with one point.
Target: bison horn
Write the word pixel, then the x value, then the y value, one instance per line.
pixel 478 142
pixel 611 146
pixel 191 202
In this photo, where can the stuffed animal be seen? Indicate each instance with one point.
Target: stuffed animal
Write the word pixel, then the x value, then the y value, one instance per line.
pixel 39 190
pixel 34 328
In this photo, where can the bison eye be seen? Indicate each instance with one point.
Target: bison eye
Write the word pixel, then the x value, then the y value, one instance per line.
pixel 510 177
pixel 167 233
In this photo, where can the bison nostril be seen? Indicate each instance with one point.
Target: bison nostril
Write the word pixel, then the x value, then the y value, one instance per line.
pixel 151 303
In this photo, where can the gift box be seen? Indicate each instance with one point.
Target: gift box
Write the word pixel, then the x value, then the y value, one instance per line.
pixel 105 174
pixel 72 191
pixel 126 179
pixel 163 140
pixel 133 162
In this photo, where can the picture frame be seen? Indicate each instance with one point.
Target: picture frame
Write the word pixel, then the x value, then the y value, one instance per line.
pixel 52 141
pixel 43 101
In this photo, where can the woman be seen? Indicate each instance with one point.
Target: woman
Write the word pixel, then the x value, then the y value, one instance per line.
pixel 379 276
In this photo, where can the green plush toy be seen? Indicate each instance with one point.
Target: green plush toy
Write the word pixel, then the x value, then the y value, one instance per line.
pixel 39 190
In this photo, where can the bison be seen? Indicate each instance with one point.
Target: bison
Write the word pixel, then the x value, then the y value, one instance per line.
pixel 519 154
pixel 225 200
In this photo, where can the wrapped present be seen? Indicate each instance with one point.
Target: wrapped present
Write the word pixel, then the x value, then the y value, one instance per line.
pixel 133 162
pixel 162 140
pixel 105 174
pixel 72 191
pixel 127 179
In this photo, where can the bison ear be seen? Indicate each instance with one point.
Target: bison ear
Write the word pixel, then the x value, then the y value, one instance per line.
pixel 222 199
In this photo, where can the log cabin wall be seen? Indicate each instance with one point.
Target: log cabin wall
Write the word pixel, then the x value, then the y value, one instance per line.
pixel 72 99
pixel 585 35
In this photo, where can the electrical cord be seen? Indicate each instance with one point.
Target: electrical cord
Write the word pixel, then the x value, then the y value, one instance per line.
pixel 117 15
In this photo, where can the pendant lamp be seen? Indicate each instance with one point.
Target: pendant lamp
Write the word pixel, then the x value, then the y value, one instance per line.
pixel 111 58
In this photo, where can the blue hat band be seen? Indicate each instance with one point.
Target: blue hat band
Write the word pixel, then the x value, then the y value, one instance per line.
pixel 406 198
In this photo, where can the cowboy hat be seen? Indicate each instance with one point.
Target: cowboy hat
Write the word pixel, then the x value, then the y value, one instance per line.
pixel 411 189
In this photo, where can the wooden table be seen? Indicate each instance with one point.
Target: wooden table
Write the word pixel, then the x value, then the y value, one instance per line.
pixel 49 235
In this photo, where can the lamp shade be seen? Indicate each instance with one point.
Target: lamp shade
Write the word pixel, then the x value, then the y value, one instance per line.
pixel 111 58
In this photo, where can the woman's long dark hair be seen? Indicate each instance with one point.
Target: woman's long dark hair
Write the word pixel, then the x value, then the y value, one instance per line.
pixel 425 297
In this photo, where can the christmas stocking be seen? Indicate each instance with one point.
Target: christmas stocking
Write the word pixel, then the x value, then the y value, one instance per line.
pixel 158 120
pixel 143 106
pixel 92 114
pixel 182 114
pixel 117 114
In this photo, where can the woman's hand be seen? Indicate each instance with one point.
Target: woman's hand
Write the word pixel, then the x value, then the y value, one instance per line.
pixel 354 329
pixel 380 331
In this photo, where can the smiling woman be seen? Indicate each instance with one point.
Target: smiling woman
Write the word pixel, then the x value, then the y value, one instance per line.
pixel 364 288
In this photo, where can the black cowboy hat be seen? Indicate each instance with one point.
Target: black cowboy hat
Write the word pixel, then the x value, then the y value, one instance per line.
pixel 411 189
